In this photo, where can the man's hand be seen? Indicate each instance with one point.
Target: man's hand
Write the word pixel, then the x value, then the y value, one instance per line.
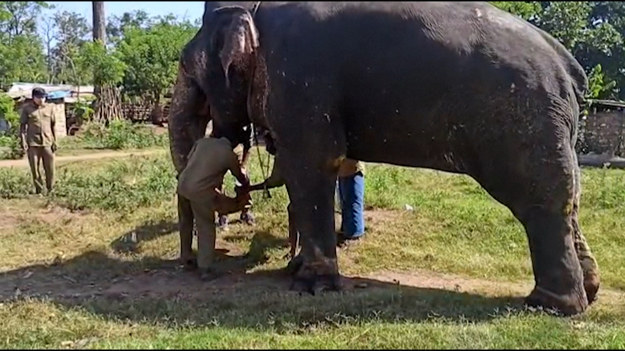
pixel 245 182
pixel 244 199
pixel 53 147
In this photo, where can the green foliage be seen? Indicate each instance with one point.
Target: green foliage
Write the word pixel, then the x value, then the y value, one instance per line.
pixel 10 147
pixel 525 9
pixel 106 66
pixel 151 57
pixel 7 110
pixel 121 134
pixel 120 186
pixel 592 31
pixel 82 109
pixel 14 183
pixel 21 59
pixel 20 17
pixel 71 34
pixel 21 50
pixel 566 21
pixel 598 86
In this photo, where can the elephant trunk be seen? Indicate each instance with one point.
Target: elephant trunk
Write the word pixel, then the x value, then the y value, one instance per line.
pixel 189 115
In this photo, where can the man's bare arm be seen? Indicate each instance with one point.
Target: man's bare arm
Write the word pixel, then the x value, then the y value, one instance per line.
pixel 237 172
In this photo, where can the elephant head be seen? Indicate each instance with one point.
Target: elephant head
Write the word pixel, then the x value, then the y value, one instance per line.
pixel 215 75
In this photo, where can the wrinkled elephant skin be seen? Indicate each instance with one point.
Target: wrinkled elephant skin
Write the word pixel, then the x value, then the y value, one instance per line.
pixel 459 87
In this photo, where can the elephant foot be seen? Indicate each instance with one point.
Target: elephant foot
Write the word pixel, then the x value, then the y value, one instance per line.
pixel 567 305
pixel 294 264
pixel 189 263
pixel 209 274
pixel 314 277
pixel 591 285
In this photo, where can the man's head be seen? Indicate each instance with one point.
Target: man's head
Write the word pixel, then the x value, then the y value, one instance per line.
pixel 39 96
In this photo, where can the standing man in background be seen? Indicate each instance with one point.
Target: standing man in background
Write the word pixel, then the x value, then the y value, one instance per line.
pixel 38 138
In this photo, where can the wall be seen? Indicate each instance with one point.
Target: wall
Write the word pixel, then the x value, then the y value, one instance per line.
pixel 603 132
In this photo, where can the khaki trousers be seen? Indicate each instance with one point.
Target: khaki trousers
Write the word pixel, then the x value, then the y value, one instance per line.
pixel 204 215
pixel 36 156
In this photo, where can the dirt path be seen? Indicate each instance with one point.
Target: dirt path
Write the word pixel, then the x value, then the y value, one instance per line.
pixel 63 159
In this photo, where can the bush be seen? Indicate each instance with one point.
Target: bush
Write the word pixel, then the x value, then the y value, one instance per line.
pixel 121 185
pixel 10 147
pixel 7 111
pixel 9 140
pixel 122 135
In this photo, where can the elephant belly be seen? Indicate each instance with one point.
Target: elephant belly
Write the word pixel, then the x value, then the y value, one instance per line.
pixel 406 142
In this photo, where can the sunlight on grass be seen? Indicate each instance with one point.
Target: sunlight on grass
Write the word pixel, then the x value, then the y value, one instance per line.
pixel 117 218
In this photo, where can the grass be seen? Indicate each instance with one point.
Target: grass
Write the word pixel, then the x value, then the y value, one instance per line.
pixel 95 267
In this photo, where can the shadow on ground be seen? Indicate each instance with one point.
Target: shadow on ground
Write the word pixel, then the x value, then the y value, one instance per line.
pixel 129 242
pixel 159 290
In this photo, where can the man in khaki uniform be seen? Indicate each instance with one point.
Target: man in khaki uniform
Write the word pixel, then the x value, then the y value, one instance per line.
pixel 38 138
pixel 200 182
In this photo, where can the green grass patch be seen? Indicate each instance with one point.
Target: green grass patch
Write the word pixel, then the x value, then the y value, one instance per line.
pixel 130 231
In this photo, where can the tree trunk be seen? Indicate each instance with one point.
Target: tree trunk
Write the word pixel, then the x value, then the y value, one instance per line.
pixel 99 25
pixel 107 105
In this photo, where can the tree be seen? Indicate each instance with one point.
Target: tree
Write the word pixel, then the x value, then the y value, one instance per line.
pixel 528 10
pixel 151 57
pixel 71 32
pixel 108 99
pixel 598 86
pixel 99 27
pixel 20 17
pixel 108 72
pixel 592 31
pixel 21 51
pixel 116 26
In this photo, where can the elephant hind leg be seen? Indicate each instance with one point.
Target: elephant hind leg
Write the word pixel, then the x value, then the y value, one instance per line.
pixel 539 187
pixel 558 274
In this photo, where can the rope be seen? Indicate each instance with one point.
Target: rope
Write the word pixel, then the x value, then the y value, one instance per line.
pixel 262 167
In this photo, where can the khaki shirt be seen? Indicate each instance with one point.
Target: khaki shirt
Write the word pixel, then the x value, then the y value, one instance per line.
pixel 40 124
pixel 209 160
pixel 350 167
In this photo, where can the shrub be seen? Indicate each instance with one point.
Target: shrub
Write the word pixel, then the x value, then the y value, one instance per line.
pixel 121 134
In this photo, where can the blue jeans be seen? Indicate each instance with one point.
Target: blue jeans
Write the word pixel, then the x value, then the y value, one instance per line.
pixel 352 195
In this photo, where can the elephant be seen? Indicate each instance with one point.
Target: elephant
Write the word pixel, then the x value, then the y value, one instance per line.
pixel 459 87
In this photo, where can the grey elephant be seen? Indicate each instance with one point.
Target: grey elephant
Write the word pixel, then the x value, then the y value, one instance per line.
pixel 459 87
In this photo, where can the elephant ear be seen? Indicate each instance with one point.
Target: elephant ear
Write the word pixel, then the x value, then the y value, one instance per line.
pixel 239 39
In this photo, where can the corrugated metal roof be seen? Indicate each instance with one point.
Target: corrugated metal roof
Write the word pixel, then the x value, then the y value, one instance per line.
pixel 18 90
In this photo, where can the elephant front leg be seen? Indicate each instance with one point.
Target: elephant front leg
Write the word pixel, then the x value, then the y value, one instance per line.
pixel 316 267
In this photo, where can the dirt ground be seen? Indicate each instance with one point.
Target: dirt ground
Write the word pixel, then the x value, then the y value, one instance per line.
pixel 62 159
